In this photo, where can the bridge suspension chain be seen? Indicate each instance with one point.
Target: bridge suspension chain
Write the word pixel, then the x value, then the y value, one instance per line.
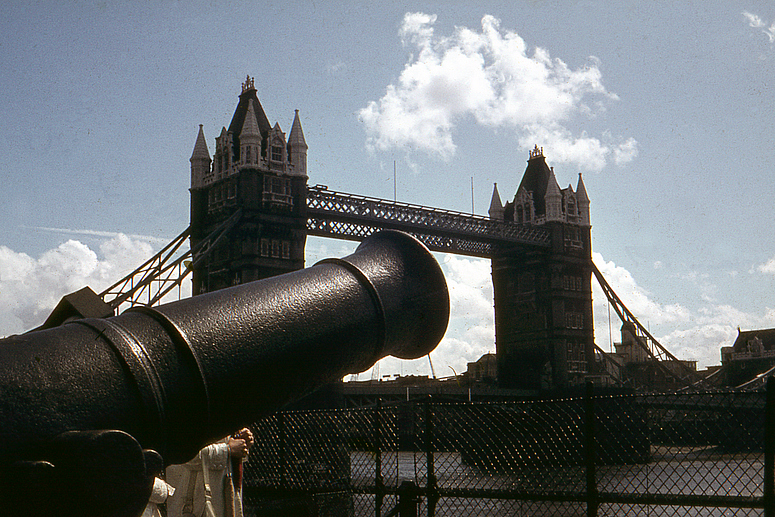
pixel 164 270
pixel 658 353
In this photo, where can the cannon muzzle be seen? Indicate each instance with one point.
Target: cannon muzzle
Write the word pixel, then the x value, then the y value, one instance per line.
pixel 181 375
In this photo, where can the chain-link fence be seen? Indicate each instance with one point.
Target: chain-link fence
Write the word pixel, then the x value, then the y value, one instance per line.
pixel 656 454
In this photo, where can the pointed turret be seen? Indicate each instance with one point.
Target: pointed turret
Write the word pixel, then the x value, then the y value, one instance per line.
pixel 238 119
pixel 297 148
pixel 583 203
pixel 553 199
pixel 250 127
pixel 496 207
pixel 250 137
pixel 200 160
pixel 536 180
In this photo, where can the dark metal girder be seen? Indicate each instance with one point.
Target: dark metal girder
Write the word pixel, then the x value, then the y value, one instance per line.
pixel 350 216
pixel 658 353
pixel 324 227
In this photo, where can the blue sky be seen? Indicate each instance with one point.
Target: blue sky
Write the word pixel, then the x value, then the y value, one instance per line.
pixel 666 110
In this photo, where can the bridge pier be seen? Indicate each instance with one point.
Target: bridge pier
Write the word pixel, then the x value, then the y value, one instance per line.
pixel 543 296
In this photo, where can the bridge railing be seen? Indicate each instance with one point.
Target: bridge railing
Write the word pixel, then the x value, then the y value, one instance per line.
pixel 707 454
pixel 348 215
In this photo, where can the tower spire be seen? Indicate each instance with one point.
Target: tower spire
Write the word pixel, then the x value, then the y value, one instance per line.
pixel 582 199
pixel 250 137
pixel 200 160
pixel 496 206
pixel 250 127
pixel 553 199
pixel 297 147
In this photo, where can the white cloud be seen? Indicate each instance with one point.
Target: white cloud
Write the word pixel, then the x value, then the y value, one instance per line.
pixel 693 334
pixel 582 150
pixel 31 287
pixel 757 23
pixel 625 152
pixel 104 234
pixel 701 343
pixel 471 330
pixel 768 268
pixel 753 20
pixel 335 68
pixel 491 77
pixel 637 299
pixel 470 285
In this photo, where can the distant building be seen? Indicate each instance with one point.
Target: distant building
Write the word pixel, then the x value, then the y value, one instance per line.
pixel 543 297
pixel 259 176
pixel 483 370
pixel 752 353
pixel 640 370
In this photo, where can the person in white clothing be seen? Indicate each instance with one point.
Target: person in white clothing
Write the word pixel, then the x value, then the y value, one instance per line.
pixel 161 491
pixel 210 485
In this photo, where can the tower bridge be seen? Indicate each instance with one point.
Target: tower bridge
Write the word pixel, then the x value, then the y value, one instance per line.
pixel 252 210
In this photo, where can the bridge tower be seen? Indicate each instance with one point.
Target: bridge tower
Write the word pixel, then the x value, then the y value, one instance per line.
pixel 257 181
pixel 543 296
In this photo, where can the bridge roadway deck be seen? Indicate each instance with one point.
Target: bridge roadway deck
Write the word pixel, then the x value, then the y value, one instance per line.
pixel 353 217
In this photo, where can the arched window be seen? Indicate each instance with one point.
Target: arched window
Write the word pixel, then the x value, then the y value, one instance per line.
pixel 277 153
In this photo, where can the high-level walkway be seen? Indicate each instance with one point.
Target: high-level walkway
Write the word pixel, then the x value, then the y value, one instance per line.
pixel 349 216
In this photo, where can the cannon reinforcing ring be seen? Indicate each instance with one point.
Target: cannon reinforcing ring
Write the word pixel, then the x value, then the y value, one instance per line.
pixel 369 287
pixel 137 360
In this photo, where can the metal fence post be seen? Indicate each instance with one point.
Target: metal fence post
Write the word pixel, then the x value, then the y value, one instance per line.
pixel 769 450
pixel 431 494
pixel 379 485
pixel 589 449
pixel 408 499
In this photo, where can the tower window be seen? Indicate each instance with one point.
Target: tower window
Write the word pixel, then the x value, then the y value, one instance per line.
pixel 277 185
pixel 574 320
pixel 277 192
pixel 277 153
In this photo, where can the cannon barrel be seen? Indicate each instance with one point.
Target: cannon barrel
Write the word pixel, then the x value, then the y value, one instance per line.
pixel 180 375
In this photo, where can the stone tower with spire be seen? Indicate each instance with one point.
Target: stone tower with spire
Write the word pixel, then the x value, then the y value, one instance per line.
pixel 256 172
pixel 543 301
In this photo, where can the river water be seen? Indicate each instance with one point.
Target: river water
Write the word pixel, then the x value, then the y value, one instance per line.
pixel 712 475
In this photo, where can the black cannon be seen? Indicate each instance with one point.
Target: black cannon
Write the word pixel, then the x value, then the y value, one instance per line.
pixel 83 406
